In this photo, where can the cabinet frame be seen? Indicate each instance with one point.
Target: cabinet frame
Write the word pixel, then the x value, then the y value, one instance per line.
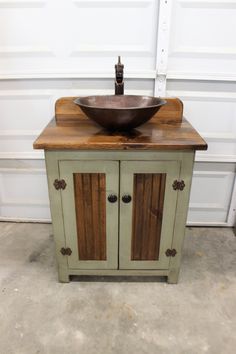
pixel 186 159
pixel 111 170
pixel 127 171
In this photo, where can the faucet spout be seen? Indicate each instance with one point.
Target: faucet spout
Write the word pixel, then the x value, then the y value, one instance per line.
pixel 119 80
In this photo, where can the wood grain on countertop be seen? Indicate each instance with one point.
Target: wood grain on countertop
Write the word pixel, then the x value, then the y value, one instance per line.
pixel 149 136
pixel 71 129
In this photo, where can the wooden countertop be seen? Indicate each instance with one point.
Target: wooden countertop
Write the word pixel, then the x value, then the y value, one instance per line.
pixel 72 130
pixel 150 136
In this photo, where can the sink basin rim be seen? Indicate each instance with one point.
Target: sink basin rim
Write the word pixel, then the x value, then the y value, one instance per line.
pixel 160 102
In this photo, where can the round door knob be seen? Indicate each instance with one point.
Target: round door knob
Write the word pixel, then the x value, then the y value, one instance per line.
pixel 112 198
pixel 126 198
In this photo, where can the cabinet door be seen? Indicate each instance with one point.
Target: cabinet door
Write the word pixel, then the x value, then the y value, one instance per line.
pixel 90 220
pixel 147 220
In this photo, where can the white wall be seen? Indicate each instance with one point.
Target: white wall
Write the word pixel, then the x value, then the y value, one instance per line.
pixel 55 48
pixel 202 72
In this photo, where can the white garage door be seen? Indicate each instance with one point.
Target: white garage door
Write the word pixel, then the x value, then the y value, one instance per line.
pixel 55 48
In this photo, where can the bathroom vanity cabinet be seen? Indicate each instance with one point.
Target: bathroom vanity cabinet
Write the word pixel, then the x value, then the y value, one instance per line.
pixel 119 201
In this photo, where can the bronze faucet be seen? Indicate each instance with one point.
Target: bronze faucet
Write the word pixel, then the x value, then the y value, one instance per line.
pixel 119 83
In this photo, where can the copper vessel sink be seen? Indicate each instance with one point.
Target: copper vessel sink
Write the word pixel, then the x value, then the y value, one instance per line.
pixel 120 112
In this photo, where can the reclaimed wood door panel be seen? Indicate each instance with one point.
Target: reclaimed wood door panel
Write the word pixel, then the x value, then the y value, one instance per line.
pixel 147 221
pixel 90 220
pixel 90 207
pixel 148 203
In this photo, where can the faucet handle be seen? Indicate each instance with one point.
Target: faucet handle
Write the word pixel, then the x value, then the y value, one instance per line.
pixel 119 84
pixel 119 63
pixel 119 71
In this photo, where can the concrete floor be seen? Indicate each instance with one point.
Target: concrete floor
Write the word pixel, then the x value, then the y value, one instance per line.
pixel 39 315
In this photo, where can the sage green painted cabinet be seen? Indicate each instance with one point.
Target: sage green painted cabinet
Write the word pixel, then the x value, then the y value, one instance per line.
pixel 119 213
pixel 147 222
pixel 90 220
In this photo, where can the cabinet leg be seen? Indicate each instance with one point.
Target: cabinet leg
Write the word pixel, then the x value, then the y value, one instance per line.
pixel 173 276
pixel 63 276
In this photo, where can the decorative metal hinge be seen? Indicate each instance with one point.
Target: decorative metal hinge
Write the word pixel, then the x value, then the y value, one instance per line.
pixel 59 184
pixel 178 185
pixel 171 253
pixel 66 251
